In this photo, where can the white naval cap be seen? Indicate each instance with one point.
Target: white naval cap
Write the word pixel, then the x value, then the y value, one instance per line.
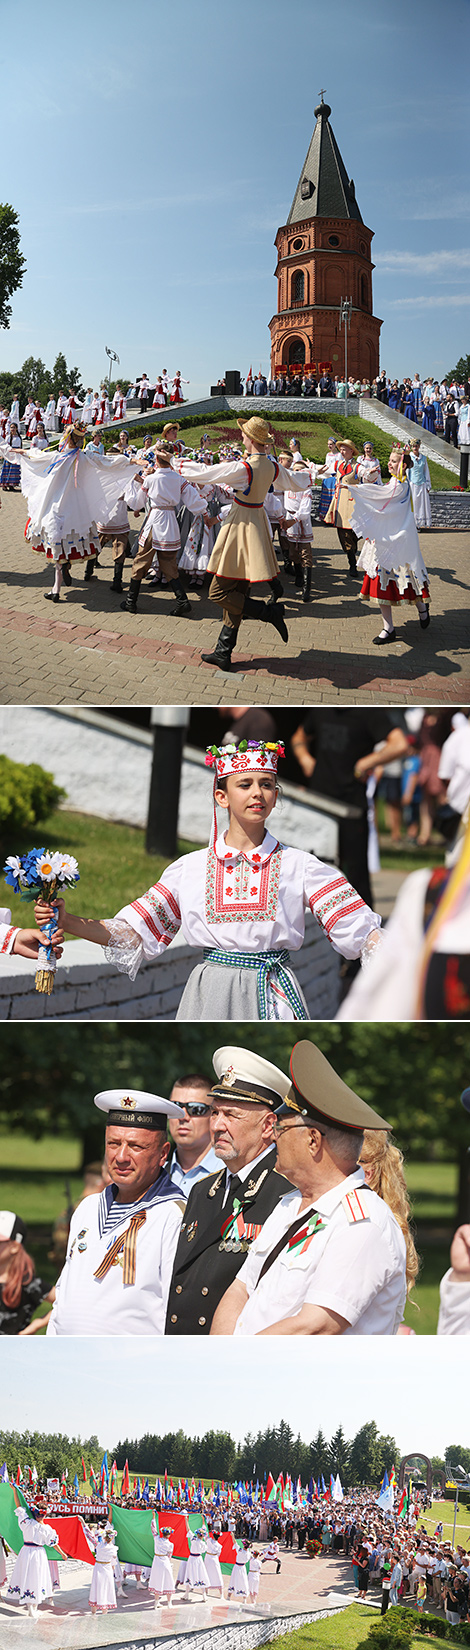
pixel 134 1109
pixel 11 1227
pixel 248 1077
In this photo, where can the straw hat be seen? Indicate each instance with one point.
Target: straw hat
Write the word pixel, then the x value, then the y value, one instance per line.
pixel 350 444
pixel 257 430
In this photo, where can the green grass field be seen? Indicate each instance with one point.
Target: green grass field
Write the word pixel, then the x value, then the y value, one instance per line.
pixel 112 861
pixel 443 1511
pixel 313 433
pixel 342 1632
pixel 35 1172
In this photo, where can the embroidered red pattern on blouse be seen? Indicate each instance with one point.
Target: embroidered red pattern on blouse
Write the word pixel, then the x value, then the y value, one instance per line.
pixel 167 919
pixel 264 910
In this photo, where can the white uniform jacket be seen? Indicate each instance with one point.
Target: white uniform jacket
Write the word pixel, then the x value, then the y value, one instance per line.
pixel 88 1306
pixel 353 1264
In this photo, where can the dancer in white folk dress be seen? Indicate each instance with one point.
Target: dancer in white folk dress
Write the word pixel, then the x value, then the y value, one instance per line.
pixel 31 1580
pixel 161 1575
pixel 238 1584
pixel 212 1563
pixel 102 1596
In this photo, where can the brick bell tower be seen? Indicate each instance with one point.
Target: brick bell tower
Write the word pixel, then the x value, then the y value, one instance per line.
pixel 324 254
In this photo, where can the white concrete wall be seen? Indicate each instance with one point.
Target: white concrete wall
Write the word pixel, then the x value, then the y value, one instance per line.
pixel 87 987
pixel 239 1635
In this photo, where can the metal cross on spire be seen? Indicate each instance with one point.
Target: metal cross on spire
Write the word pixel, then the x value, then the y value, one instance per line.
pixel 322 91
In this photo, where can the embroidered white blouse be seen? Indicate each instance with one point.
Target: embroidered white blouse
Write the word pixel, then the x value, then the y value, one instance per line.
pixel 241 901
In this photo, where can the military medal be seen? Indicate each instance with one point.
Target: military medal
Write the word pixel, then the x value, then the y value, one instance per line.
pixel 191 1231
pixel 81 1245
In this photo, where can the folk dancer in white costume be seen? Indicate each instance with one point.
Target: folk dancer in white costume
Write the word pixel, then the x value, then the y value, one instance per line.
pixel 368 467
pixel 196 1577
pixel 254 1574
pixel 31 1580
pixel 244 899
pixel 212 1563
pixel 161 1575
pixel 331 1258
pixel 243 553
pixel 238 1584
pixel 298 529
pixel 420 484
pixel 165 491
pixel 87 409
pixel 67 492
pixel 121 1247
pixel 201 538
pixel 390 557
pixel 102 1595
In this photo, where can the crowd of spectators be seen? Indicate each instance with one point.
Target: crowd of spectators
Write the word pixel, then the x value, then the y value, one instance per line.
pixel 442 407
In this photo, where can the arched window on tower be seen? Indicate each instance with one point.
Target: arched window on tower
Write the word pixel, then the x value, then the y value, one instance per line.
pixel 364 292
pixel 298 287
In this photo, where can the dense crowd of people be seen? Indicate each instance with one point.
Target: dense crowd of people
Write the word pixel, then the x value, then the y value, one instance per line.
pixel 97 407
pixel 441 406
pixel 393 1550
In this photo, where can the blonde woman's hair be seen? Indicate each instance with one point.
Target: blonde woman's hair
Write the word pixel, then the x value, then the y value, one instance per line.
pixel 385 1164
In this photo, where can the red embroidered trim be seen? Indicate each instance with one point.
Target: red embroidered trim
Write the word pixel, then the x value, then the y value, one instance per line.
pixel 7 939
pixel 345 911
pixel 241 911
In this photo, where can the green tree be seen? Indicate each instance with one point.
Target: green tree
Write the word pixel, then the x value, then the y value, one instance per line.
pixel 320 1456
pixel 59 375
pixel 12 263
pixel 339 1453
pixel 33 380
pixel 365 1455
pixel 461 371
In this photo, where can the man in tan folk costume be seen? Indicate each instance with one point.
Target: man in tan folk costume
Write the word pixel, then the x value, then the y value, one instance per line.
pixel 243 553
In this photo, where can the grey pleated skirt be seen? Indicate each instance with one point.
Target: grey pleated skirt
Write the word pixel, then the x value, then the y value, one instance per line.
pixel 215 993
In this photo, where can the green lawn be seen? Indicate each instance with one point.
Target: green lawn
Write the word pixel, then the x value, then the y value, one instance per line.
pixel 342 1632
pixel 443 1511
pixel 313 431
pixel 114 867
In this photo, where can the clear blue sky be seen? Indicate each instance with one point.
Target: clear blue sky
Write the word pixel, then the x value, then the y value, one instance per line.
pixel 153 149
pixel 416 1389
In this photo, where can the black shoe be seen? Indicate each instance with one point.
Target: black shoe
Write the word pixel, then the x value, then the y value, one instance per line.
pixel 268 613
pixel 382 641
pixel 298 575
pixel 89 570
pixel 307 582
pixel 49 596
pixel 222 655
pixel 353 571
pixel 277 590
pixel 425 622
pixel 182 607
pixel 130 604
pixel 289 569
pixel 66 575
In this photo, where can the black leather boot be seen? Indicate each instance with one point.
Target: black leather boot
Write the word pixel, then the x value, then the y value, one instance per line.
pixel 66 574
pixel 89 570
pixel 130 604
pixel 298 575
pixel 289 568
pixel 182 607
pixel 307 584
pixel 352 566
pixel 269 613
pixel 222 655
pixel 277 588
pixel 117 577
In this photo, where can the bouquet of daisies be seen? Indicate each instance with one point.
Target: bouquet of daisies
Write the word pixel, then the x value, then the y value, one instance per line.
pixel 40 875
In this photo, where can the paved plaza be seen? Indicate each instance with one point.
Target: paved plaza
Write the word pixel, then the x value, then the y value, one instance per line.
pixel 85 651
pixel 67 1623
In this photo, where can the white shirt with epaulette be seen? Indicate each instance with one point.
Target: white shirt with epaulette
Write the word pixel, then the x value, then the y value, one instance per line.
pixel 353 1263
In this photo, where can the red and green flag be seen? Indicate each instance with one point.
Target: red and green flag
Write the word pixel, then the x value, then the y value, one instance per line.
pixel 125 1485
pixel 403 1503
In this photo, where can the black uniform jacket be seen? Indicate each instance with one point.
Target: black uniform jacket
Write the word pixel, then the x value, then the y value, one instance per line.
pixel 203 1270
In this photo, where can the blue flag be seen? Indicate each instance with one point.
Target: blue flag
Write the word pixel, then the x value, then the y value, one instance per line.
pixel 146 1491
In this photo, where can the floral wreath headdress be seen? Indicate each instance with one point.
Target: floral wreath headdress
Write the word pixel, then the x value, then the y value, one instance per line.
pixel 249 756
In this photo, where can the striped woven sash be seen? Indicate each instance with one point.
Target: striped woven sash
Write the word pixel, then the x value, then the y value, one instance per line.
pixel 125 1245
pixel 269 965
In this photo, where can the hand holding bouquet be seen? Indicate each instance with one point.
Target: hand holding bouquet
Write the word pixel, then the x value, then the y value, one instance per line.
pixel 41 875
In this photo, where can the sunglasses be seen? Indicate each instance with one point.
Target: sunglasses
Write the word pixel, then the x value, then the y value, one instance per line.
pixel 194 1108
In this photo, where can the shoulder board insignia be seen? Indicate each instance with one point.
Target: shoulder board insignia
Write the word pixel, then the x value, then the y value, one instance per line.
pixel 216 1184
pixel 354 1206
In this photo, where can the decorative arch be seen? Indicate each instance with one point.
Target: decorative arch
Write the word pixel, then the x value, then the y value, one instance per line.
pixel 294 352
pixel 416 1454
pixel 364 292
pixel 336 283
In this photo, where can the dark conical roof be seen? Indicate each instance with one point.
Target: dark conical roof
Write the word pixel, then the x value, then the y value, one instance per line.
pixel 324 189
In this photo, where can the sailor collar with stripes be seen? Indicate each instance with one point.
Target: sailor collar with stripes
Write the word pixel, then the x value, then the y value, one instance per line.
pixel 111 1213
